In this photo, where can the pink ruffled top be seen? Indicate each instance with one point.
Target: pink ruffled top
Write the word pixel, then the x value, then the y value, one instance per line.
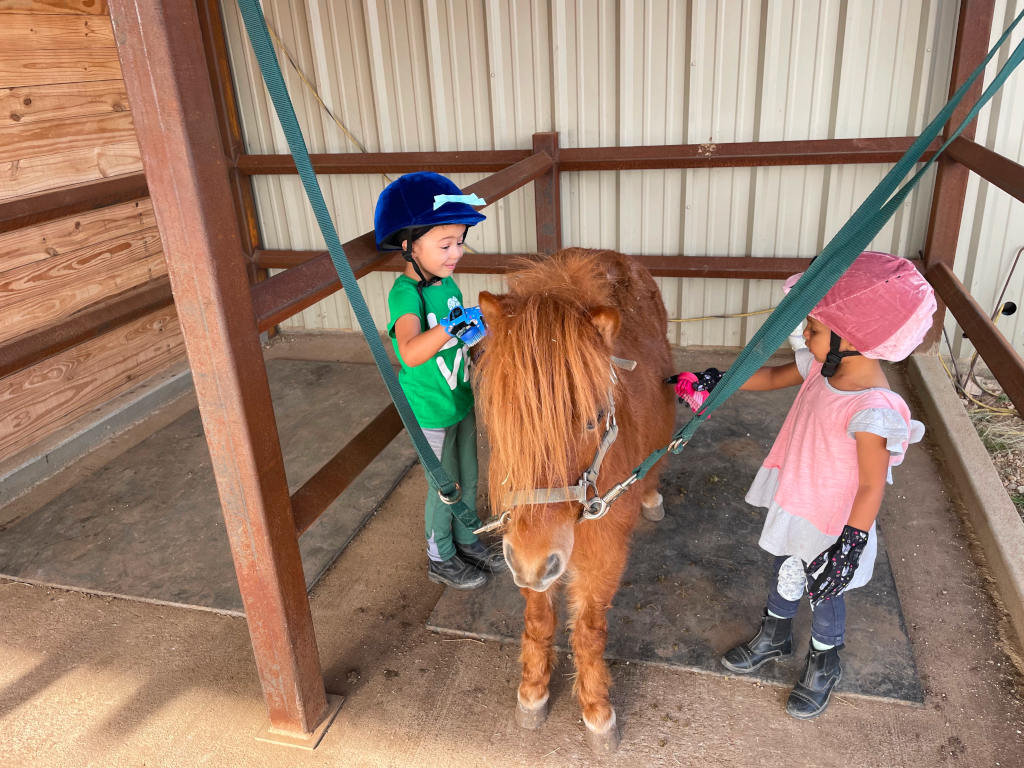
pixel 813 461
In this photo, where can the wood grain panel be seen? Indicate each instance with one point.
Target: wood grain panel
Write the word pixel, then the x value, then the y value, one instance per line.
pixel 43 292
pixel 39 400
pixel 36 103
pixel 41 68
pixel 42 32
pixel 88 7
pixel 39 174
pixel 61 236
pixel 21 142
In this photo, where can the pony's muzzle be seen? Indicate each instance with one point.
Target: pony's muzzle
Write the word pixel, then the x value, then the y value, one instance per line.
pixel 537 578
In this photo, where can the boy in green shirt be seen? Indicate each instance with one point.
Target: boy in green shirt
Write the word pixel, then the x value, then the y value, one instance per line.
pixel 426 217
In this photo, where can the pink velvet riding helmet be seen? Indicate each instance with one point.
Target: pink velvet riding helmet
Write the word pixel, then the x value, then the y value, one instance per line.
pixel 882 305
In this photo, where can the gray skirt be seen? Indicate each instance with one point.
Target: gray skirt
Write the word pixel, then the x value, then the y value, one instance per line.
pixel 786 534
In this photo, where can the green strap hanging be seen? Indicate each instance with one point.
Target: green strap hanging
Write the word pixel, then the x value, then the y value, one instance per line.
pixel 259 37
pixel 832 262
pixel 842 250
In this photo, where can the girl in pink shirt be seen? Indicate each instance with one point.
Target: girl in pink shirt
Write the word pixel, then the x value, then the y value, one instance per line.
pixel 824 478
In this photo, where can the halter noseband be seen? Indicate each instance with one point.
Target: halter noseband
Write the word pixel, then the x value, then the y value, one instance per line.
pixel 585 491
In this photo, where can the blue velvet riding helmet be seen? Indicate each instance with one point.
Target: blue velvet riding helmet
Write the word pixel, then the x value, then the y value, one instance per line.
pixel 411 202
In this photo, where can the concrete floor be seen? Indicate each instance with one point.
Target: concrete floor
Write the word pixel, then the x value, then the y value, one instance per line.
pixel 98 681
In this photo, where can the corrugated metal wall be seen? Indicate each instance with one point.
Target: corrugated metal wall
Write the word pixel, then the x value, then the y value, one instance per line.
pixel 469 74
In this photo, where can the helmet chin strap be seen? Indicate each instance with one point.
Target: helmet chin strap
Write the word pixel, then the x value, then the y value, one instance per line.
pixel 834 356
pixel 424 282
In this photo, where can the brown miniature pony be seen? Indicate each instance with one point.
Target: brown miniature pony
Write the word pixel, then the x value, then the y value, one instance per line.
pixel 547 383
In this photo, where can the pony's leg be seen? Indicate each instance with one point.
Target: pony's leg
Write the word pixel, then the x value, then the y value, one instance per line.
pixel 653 505
pixel 537 656
pixel 592 591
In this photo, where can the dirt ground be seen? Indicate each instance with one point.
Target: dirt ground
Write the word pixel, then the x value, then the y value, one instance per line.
pixel 1001 430
pixel 89 681
pixel 105 682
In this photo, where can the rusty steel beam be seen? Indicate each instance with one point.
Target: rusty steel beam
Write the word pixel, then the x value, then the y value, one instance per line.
pixel 285 259
pixel 972 39
pixel 317 493
pixel 476 263
pixel 730 267
pixel 162 57
pixel 35 346
pixel 739 154
pixel 68 201
pixel 481 161
pixel 735 267
pixel 727 155
pixel 283 295
pixel 999 355
pixel 291 291
pixel 991 166
pixel 547 196
pixel 212 25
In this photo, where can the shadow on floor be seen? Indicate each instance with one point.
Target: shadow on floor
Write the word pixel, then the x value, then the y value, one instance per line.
pixel 148 525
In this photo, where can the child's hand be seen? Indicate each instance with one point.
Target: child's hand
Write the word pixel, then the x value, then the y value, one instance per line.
pixel 465 324
pixel 835 566
pixel 694 388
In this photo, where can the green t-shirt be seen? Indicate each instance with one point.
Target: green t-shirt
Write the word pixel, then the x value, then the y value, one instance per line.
pixel 438 390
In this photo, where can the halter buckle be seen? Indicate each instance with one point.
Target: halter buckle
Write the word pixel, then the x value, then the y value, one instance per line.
pixel 598 506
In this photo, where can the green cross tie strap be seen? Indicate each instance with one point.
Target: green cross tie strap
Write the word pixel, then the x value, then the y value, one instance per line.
pixel 831 263
pixel 259 37
pixel 841 251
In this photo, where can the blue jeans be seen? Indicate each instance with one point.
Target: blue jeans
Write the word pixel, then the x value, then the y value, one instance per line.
pixel 828 620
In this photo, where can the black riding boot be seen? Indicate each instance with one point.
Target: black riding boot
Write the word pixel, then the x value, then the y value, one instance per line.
pixel 821 673
pixel 483 557
pixel 773 641
pixel 456 573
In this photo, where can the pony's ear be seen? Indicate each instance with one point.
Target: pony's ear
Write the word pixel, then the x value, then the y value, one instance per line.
pixel 490 307
pixel 606 320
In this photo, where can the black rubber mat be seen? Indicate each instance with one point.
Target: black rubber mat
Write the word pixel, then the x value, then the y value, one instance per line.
pixel 148 524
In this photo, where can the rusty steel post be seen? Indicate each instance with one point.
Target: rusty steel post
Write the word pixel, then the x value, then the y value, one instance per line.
pixel 161 51
pixel 547 196
pixel 212 26
pixel 972 38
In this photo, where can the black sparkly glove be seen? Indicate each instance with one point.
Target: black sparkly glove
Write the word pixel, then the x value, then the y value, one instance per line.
pixel 830 572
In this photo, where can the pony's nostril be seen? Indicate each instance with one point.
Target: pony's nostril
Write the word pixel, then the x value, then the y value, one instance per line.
pixel 554 568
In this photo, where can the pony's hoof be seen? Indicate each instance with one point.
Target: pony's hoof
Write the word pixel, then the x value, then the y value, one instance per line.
pixel 532 718
pixel 604 742
pixel 656 512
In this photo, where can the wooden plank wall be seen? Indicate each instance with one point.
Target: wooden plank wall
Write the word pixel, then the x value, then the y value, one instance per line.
pixel 65 120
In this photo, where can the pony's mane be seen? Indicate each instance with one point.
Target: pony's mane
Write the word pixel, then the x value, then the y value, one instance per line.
pixel 545 373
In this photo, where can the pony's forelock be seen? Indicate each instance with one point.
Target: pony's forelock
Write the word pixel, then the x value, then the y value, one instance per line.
pixel 545 375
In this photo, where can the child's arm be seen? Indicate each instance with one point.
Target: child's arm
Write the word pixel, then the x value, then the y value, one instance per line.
pixel 694 388
pixel 773 377
pixel 872 469
pixel 830 572
pixel 416 346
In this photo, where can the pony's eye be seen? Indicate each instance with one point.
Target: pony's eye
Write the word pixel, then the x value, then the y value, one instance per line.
pixel 591 424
